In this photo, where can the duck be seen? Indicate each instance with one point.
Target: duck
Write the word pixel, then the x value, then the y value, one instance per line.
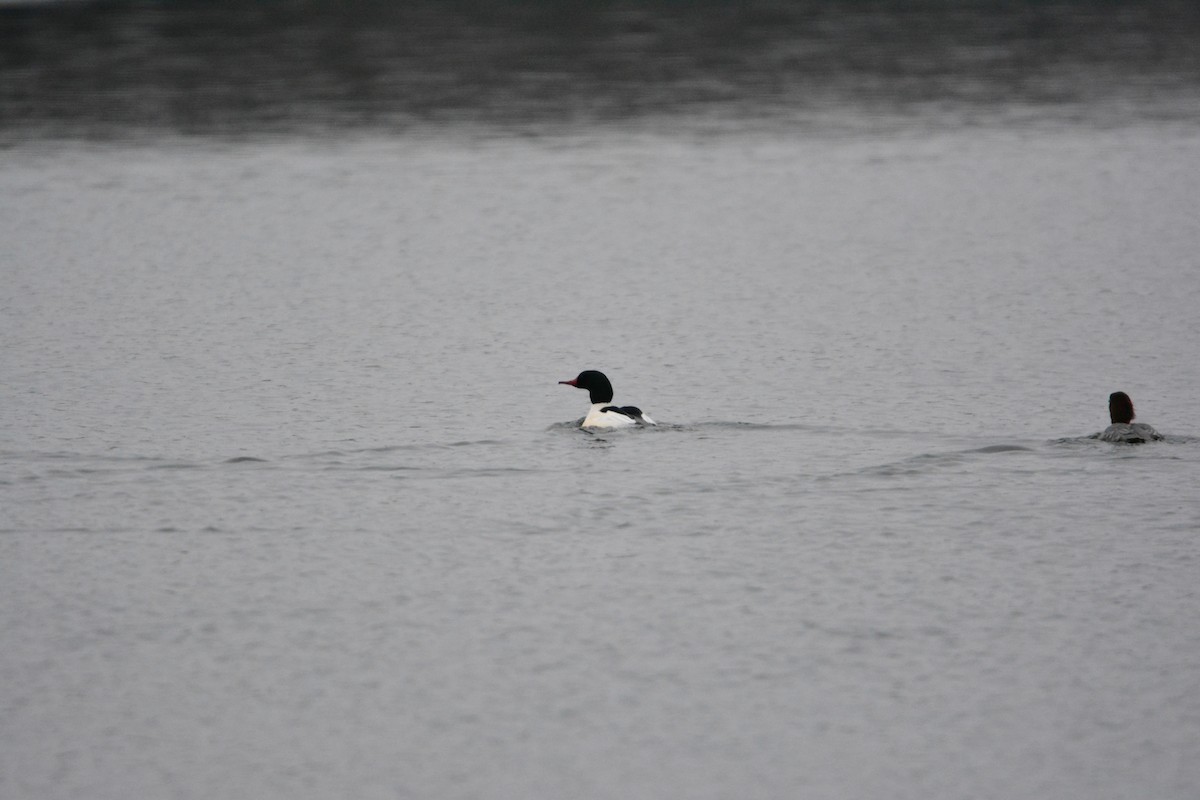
pixel 1123 429
pixel 603 414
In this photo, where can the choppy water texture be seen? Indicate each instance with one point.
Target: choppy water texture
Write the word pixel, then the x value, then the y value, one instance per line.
pixel 292 504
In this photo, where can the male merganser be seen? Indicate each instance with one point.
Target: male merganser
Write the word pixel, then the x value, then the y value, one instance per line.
pixel 1123 428
pixel 603 414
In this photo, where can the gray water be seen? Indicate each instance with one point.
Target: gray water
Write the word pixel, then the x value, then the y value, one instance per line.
pixel 292 504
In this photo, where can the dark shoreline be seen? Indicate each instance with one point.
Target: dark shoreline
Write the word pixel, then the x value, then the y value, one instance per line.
pixel 109 69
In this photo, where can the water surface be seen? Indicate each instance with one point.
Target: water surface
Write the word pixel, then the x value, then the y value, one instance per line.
pixel 292 505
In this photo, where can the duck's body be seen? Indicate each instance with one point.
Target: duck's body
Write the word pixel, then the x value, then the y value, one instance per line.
pixel 606 415
pixel 603 414
pixel 1130 433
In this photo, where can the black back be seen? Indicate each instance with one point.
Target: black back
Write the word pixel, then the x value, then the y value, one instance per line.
pixel 633 412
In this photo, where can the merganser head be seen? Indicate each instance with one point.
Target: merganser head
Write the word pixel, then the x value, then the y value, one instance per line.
pixel 597 385
pixel 1120 407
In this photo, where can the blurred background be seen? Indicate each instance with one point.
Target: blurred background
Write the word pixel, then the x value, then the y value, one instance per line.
pixel 121 69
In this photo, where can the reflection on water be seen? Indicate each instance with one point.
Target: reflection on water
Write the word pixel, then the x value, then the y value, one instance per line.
pixel 120 69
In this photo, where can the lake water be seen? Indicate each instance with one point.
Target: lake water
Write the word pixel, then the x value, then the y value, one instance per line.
pixel 292 504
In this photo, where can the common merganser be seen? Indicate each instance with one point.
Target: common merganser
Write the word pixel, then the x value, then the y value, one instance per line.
pixel 1123 428
pixel 603 414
